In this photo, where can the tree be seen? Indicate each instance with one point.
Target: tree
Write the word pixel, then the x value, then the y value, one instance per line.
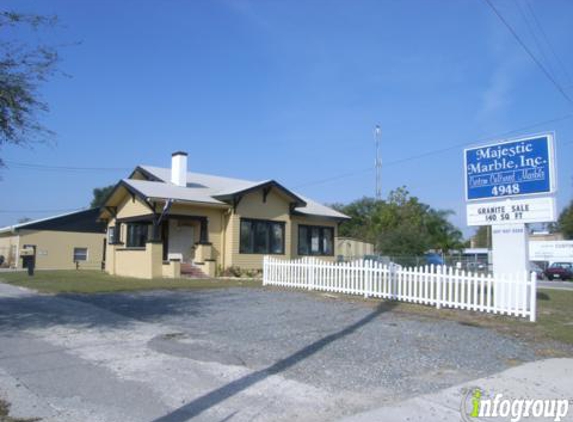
pixel 100 195
pixel 23 68
pixel 482 237
pixel 565 222
pixel 363 213
pixel 401 225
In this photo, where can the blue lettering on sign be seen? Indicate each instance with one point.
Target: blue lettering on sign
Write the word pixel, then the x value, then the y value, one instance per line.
pixel 509 169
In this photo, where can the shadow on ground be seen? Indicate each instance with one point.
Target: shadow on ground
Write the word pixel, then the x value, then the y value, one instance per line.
pixel 215 397
pixel 92 311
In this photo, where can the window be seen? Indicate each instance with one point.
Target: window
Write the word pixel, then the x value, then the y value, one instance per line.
pixel 80 254
pixel 137 235
pixel 315 240
pixel 262 237
pixel 112 235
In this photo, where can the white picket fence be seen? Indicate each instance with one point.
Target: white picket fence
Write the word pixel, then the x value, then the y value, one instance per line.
pixel 439 286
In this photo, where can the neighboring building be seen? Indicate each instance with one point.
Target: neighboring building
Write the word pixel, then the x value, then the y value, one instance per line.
pixel 545 236
pixel 348 248
pixel 73 240
pixel 164 221
pixel 551 251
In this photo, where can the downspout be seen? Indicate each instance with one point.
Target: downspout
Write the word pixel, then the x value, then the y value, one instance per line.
pixel 224 226
pixel 17 257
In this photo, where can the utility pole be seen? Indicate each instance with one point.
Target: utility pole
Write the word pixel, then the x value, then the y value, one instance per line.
pixel 378 163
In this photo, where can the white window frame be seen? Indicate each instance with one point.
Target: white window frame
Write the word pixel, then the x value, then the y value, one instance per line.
pixel 74 254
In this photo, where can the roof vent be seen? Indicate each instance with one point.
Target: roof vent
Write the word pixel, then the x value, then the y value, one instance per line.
pixel 179 168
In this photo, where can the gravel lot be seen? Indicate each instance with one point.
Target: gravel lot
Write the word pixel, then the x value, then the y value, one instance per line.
pixel 242 354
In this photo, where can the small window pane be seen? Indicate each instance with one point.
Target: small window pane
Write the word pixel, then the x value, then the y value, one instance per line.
pixel 111 235
pixel 80 254
pixel 303 248
pixel 261 237
pixel 315 240
pixel 246 242
pixel 277 241
pixel 327 243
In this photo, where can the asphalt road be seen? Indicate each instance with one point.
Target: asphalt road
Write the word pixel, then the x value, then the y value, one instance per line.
pixel 555 285
pixel 237 354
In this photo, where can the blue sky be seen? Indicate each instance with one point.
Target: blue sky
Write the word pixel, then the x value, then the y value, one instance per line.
pixel 290 91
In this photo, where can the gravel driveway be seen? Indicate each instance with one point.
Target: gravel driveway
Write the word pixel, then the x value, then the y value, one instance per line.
pixel 236 354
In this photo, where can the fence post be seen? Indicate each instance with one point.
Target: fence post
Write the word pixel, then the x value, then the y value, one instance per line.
pixel 438 287
pixel 310 267
pixel 391 283
pixel 533 298
pixel 366 277
pixel 265 270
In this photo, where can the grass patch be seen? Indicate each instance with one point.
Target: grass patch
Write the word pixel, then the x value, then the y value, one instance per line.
pixel 5 414
pixel 554 320
pixel 85 281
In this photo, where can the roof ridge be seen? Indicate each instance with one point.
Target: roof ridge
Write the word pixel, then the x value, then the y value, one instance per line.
pixel 168 169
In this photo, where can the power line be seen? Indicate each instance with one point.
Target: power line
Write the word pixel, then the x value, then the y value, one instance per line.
pixel 535 38
pixel 46 167
pixel 334 178
pixel 548 42
pixel 435 152
pixel 38 211
pixel 528 51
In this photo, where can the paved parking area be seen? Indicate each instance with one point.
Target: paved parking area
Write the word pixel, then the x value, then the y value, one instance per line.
pixel 236 354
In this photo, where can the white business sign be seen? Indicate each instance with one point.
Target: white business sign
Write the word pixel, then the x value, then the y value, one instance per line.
pixel 509 257
pixel 551 250
pixel 508 185
pixel 511 211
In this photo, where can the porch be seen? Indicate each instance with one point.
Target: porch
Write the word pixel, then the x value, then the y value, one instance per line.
pixel 171 247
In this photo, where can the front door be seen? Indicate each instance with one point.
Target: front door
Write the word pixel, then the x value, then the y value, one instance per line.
pixel 181 240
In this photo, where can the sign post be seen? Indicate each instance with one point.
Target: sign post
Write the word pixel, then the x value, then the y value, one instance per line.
pixel 508 185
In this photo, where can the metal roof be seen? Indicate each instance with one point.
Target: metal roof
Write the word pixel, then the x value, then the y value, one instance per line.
pixel 30 224
pixel 205 188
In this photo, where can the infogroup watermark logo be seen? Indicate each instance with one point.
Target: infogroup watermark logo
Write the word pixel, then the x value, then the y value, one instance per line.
pixel 479 405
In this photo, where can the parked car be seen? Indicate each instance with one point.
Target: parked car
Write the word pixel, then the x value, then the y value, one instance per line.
pixel 476 266
pixel 560 271
pixel 433 259
pixel 534 268
pixel 384 260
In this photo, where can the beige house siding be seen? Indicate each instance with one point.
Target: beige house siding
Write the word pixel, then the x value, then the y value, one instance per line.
pixel 275 208
pixel 350 248
pixel 139 263
pixel 223 226
pixel 8 248
pixel 55 249
pixel 132 207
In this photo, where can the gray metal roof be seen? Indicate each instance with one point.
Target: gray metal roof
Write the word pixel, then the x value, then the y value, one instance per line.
pixel 162 190
pixel 204 187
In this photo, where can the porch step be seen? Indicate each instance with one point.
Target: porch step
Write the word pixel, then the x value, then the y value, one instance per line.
pixel 192 271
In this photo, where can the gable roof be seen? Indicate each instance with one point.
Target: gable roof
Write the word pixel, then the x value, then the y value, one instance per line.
pixel 77 221
pixel 161 190
pixel 216 190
